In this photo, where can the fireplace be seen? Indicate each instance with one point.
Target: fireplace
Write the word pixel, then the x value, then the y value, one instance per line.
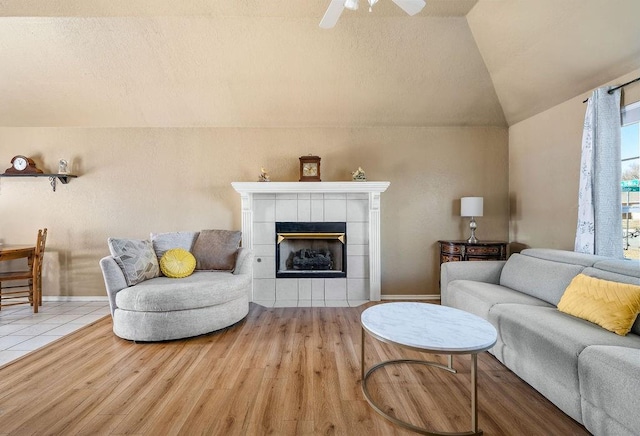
pixel 355 203
pixel 311 250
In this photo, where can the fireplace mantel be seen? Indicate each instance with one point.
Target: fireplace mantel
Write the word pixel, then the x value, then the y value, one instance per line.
pixel 249 191
pixel 309 187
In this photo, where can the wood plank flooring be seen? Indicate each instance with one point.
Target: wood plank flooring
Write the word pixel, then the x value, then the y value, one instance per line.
pixel 291 371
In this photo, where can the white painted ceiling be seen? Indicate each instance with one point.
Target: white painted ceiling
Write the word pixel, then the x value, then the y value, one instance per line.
pixel 252 63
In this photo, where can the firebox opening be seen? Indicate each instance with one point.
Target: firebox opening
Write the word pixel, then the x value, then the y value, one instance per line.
pixel 311 250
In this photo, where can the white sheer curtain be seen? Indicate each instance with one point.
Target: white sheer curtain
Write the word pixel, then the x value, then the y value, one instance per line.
pixel 599 229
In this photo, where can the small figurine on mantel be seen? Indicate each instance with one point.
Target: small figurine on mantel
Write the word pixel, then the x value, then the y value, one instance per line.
pixel 358 175
pixel 264 176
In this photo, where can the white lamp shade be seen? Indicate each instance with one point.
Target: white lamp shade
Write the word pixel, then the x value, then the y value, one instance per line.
pixel 471 206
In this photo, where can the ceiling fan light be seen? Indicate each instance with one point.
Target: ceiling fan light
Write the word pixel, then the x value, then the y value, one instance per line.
pixel 351 4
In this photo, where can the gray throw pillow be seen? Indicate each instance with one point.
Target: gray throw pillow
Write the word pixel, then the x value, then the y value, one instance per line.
pixel 136 259
pixel 216 249
pixel 166 241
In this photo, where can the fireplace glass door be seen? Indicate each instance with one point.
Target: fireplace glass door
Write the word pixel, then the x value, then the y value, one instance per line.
pixel 313 250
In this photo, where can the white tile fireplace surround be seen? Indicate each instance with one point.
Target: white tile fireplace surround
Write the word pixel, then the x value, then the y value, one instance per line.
pixel 355 203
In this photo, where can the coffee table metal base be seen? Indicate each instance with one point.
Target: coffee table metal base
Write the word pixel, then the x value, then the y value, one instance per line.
pixel 449 367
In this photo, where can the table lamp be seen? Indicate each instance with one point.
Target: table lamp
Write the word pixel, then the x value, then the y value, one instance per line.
pixel 471 207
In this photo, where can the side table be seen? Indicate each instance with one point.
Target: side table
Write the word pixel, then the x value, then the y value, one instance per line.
pixel 454 251
pixel 428 328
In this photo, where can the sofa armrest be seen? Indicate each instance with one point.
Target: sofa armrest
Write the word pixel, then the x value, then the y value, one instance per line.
pixel 244 262
pixel 479 271
pixel 114 279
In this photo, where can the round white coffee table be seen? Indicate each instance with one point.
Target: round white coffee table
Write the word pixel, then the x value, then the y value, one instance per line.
pixel 428 328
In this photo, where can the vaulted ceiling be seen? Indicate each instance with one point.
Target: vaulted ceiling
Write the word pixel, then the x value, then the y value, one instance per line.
pixel 257 63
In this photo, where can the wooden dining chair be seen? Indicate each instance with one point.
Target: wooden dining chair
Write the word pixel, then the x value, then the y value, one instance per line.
pixel 37 268
pixel 25 285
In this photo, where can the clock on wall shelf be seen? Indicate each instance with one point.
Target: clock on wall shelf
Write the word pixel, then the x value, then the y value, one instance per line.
pixel 22 166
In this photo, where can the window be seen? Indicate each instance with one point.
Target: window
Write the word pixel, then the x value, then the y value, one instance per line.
pixel 630 184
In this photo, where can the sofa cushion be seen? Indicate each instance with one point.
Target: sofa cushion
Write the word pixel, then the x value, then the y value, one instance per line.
pixel 216 250
pixel 563 256
pixel 486 272
pixel 166 241
pixel 177 263
pixel 611 305
pixel 540 278
pixel 609 387
pixel 200 289
pixel 626 267
pixel 541 345
pixel 136 259
pixel 479 297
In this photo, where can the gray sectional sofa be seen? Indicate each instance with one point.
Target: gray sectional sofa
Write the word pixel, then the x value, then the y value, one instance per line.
pixel 591 374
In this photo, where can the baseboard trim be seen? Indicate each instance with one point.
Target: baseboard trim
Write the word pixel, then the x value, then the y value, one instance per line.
pixel 70 298
pixel 104 298
pixel 411 297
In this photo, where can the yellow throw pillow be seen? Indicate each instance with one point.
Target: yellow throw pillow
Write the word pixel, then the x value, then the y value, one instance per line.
pixel 177 263
pixel 612 305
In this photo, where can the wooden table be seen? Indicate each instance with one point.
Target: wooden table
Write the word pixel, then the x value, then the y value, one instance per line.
pixel 15 251
pixel 452 251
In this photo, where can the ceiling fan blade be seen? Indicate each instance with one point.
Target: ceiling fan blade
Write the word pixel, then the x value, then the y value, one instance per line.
pixel 333 13
pixel 411 7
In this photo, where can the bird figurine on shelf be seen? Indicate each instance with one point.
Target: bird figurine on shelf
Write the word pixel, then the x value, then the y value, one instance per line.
pixel 264 176
pixel 358 175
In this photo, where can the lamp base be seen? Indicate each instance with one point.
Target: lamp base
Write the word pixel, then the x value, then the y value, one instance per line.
pixel 472 225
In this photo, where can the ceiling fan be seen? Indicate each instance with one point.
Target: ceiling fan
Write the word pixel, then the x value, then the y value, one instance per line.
pixel 336 7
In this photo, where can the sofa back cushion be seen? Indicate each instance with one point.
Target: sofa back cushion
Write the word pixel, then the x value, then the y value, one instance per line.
pixel 540 278
pixel 626 267
pixel 604 274
pixel 564 256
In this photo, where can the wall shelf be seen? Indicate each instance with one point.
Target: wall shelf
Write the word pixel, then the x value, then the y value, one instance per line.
pixel 53 178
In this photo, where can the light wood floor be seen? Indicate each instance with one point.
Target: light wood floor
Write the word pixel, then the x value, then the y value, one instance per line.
pixel 280 371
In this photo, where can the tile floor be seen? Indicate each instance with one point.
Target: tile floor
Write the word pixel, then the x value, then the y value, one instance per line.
pixel 22 331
